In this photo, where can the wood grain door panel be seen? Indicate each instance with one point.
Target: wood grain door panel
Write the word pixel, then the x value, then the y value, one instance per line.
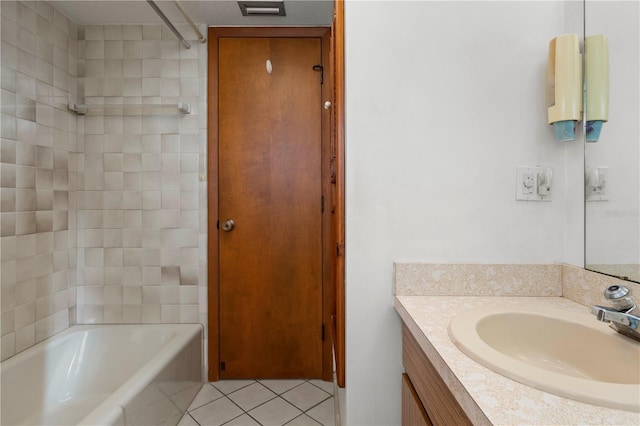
pixel 270 185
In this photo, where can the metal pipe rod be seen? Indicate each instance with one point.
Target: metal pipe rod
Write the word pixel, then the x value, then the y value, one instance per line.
pixel 190 21
pixel 169 24
pixel 82 109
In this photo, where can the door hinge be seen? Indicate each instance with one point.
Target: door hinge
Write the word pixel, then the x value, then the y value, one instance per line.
pixel 223 366
pixel 218 224
pixel 322 203
pixel 321 69
pixel 323 332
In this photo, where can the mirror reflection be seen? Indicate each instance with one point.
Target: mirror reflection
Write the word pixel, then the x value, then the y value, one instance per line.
pixel 612 164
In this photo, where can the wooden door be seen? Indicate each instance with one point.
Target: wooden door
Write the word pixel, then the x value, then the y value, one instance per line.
pixel 269 174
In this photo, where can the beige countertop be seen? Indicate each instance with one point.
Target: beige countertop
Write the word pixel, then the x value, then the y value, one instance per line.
pixel 488 397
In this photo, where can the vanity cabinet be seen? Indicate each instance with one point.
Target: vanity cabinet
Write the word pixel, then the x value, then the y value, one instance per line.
pixel 413 412
pixel 426 399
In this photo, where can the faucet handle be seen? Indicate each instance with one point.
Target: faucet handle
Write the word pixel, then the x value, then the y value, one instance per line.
pixel 619 296
pixel 616 292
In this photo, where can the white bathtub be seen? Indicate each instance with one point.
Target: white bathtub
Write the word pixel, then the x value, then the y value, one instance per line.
pixel 104 375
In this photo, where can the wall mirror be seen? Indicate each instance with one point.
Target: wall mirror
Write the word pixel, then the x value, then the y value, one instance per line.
pixel 612 164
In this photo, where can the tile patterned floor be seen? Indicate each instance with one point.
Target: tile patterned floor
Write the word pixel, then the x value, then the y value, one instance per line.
pixel 262 402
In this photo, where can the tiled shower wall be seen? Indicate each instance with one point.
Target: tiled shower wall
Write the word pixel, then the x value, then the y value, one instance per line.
pixel 142 208
pixel 102 217
pixel 37 174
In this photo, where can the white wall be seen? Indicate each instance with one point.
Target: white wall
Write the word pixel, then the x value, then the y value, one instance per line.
pixel 443 101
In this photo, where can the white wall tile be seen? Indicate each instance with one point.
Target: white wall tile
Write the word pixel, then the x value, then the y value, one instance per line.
pixel 151 87
pixel 26 16
pixel 151 32
pixel 45 10
pixel 151 314
pixel 132 68
pixel 132 49
pixel 114 32
pixel 113 68
pixel 139 165
pixel 25 337
pixel 93 49
pixel 113 49
pixel 94 32
pixel 132 32
pixel 152 49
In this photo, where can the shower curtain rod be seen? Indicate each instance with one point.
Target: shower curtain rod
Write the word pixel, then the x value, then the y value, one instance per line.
pixel 162 16
pixel 190 21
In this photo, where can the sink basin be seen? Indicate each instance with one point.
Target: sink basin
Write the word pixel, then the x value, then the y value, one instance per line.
pixel 565 353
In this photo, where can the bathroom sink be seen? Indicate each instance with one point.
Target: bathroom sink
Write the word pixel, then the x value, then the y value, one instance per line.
pixel 565 353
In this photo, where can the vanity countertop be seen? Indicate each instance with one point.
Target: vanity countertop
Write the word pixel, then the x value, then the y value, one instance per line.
pixel 488 397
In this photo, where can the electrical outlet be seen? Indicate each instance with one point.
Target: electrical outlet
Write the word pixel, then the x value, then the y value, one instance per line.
pixel 596 183
pixel 533 183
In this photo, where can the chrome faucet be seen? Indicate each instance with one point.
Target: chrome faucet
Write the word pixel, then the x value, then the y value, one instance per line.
pixel 623 315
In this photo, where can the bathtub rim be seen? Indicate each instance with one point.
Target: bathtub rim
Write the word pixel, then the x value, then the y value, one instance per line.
pixel 114 404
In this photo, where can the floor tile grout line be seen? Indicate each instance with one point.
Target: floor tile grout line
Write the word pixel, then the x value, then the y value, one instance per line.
pixel 277 395
pixel 254 419
pixel 329 393
pixel 239 415
pixel 287 390
pixel 266 402
pixel 247 411
pixel 189 409
pixel 281 395
pixel 253 408
pixel 303 414
pixel 273 399
pixel 311 408
pixel 297 386
pixel 235 390
pixel 260 382
pixel 314 406
pixel 217 399
pixel 192 418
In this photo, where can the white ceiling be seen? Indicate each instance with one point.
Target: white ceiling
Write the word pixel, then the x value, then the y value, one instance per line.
pixel 210 12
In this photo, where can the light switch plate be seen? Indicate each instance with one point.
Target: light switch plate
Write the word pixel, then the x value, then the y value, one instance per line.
pixel 527 184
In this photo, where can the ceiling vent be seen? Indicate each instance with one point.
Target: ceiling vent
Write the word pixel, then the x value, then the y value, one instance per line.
pixel 262 8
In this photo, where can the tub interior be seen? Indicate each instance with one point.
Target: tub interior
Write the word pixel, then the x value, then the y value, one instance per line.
pixel 61 380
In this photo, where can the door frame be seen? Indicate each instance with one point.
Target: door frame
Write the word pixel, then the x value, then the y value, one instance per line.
pixel 338 200
pixel 328 243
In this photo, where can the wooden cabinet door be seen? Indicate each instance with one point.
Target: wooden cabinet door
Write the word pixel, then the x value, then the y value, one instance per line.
pixel 413 413
pixel 436 397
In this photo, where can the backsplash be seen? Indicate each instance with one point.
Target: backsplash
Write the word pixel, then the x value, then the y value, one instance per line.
pixel 38 159
pixel 571 282
pixel 436 279
pixel 587 288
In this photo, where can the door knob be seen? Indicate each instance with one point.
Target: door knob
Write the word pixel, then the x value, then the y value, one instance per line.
pixel 228 225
